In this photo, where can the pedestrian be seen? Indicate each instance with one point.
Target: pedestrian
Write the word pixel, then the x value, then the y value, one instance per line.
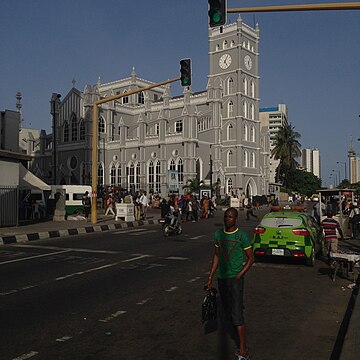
pixel 144 201
pixel 354 219
pixel 230 245
pixel 250 211
pixel 330 225
pixel 87 205
pixel 206 207
pixel 110 205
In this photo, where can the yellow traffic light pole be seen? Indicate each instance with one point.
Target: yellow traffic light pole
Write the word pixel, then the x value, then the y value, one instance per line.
pixel 299 7
pixel 94 159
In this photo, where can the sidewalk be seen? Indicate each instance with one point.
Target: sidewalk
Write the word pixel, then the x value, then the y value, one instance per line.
pixel 51 229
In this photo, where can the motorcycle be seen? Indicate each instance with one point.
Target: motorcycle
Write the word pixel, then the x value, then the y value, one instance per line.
pixel 169 229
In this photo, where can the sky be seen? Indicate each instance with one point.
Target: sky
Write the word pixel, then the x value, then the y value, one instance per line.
pixel 308 60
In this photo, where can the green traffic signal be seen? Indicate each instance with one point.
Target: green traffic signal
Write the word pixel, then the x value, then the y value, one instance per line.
pixel 217 12
pixel 185 72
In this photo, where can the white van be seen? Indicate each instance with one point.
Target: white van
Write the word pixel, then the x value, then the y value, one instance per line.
pixel 73 197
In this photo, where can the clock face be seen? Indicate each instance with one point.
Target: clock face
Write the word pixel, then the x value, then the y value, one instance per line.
pixel 248 62
pixel 225 61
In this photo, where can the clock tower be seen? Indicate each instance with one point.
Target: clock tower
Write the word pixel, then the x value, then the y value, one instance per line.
pixel 233 53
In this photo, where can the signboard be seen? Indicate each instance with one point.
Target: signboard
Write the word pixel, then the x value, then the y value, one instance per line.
pixel 205 192
pixel 173 180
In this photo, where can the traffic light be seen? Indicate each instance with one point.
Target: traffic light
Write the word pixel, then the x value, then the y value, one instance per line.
pixel 185 72
pixel 217 12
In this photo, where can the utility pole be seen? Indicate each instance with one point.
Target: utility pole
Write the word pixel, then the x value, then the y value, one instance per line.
pixel 94 142
pixel 55 103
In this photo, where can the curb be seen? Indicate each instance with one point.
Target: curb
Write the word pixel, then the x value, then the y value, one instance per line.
pixel 22 238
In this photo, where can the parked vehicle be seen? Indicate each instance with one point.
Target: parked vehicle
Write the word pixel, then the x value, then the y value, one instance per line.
pixel 169 229
pixel 73 197
pixel 288 232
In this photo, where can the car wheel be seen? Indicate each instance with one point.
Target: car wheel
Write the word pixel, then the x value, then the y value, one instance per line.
pixel 310 261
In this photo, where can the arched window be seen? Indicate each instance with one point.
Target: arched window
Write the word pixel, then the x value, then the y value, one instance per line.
pixel 180 169
pixel 217 47
pixel 66 131
pixel 230 108
pixel 179 126
pixel 100 174
pixel 252 89
pixel 245 83
pixel 246 158
pixel 252 163
pixel 245 109
pixel 74 128
pixel 157 129
pixel 252 111
pixel 151 176
pixel 141 97
pixel 252 134
pixel 157 177
pixel 229 186
pixel 229 131
pixel 113 174
pixel 125 99
pixel 246 132
pixel 225 44
pixel 229 158
pixel 231 86
pixel 131 176
pixel 137 185
pixel 101 127
pixel 172 165
pixel 82 129
pixel 118 174
pixel 232 44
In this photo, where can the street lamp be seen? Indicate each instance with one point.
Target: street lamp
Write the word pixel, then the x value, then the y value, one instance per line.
pixel 344 163
pixel 55 104
pixel 211 173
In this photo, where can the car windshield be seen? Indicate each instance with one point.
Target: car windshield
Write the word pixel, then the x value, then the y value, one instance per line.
pixel 280 222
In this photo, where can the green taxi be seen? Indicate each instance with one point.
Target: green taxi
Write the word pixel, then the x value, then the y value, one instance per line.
pixel 288 232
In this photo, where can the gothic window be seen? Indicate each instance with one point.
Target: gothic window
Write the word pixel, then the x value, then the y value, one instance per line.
pixel 157 129
pixel 137 185
pixel 157 177
pixel 101 126
pixel 118 174
pixel 151 174
pixel 252 164
pixel 180 168
pixel 131 176
pixel 252 134
pixel 252 89
pixel 217 47
pixel 100 174
pixel 229 132
pixel 246 132
pixel 113 175
pixel 74 128
pixel 252 111
pixel 172 165
pixel 141 98
pixel 229 158
pixel 245 108
pixel 246 158
pixel 179 126
pixel 125 99
pixel 229 186
pixel 245 82
pixel 112 128
pixel 66 131
pixel 230 108
pixel 82 129
pixel 231 86
pixel 232 44
pixel 225 44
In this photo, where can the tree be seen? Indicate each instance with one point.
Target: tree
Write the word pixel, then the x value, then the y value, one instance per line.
pixel 286 149
pixel 193 185
pixel 302 182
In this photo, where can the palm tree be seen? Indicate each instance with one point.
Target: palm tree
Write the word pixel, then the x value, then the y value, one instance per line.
pixel 193 185
pixel 286 149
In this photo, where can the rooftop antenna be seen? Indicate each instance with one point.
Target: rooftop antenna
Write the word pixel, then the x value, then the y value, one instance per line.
pixel 18 107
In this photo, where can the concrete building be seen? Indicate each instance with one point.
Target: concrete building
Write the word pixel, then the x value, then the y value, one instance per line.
pixel 310 161
pixel 271 120
pixel 157 142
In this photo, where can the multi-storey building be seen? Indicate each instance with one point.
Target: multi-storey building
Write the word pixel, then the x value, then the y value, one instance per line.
pixel 310 161
pixel 146 138
pixel 271 120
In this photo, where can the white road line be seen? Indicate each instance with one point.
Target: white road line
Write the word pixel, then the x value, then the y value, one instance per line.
pixel 26 356
pixel 113 316
pixel 85 271
pixel 67 249
pixel 197 237
pixel 148 232
pixel 64 338
pixel 171 289
pixel 136 258
pixel 176 258
pixel 129 231
pixel 33 257
pixel 193 280
pixel 142 302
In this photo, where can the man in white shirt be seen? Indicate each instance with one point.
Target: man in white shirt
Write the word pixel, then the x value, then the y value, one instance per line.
pixel 144 201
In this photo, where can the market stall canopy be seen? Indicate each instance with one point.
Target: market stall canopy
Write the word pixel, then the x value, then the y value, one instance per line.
pixel 30 181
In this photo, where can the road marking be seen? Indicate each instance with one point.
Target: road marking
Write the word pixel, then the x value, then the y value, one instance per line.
pixel 64 338
pixel 26 356
pixel 176 258
pixel 197 237
pixel 85 271
pixel 113 316
pixel 193 280
pixel 32 257
pixel 142 302
pixel 136 258
pixel 67 249
pixel 129 231
pixel 148 232
pixel 171 289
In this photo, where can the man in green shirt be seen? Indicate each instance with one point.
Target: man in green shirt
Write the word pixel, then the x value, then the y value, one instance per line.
pixel 230 244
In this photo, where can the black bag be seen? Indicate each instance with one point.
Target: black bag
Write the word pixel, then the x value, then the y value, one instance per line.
pixel 209 305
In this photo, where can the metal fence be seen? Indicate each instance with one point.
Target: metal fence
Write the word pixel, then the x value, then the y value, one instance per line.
pixel 9 206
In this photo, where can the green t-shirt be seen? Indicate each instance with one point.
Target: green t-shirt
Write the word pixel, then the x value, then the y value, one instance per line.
pixel 231 246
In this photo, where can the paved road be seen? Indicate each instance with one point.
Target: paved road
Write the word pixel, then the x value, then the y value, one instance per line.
pixel 132 294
